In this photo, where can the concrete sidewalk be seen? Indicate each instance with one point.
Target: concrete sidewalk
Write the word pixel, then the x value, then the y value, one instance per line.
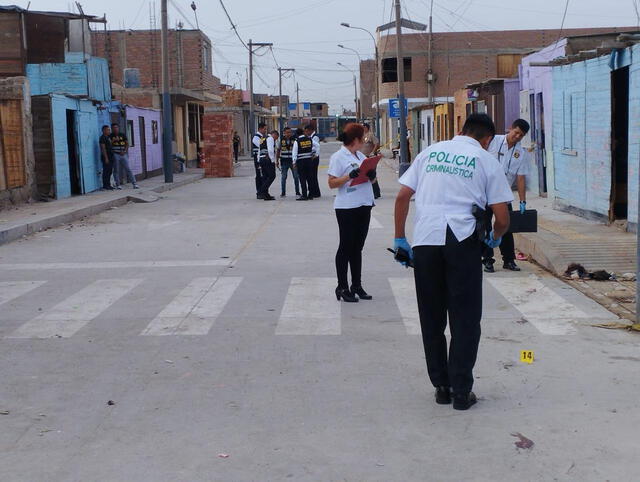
pixel 563 238
pixel 31 218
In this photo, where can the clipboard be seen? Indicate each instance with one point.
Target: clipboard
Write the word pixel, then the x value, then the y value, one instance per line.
pixel 369 164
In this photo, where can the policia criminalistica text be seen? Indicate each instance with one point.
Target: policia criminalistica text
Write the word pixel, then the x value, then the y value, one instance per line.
pixel 448 180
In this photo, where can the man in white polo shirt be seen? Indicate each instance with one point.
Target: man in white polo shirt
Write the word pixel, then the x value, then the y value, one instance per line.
pixel 514 160
pixel 448 179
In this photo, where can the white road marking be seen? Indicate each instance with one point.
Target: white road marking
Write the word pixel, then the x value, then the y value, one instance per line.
pixel 310 308
pixel 195 309
pixel 540 305
pixel 404 291
pixel 10 290
pixel 116 264
pixel 70 315
pixel 374 223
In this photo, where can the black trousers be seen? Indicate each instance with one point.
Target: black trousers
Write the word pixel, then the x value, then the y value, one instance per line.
pixel 236 151
pixel 314 187
pixel 268 170
pixel 507 247
pixel 449 282
pixel 107 170
pixel 376 189
pixel 354 227
pixel 256 165
pixel 305 173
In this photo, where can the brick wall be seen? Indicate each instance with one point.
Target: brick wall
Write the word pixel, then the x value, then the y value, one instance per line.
pixel 218 145
pixel 140 49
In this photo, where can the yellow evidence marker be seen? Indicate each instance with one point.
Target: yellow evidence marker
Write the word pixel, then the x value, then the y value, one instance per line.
pixel 526 356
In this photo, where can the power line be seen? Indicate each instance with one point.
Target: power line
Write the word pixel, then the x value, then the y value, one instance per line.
pixel 233 25
pixel 564 17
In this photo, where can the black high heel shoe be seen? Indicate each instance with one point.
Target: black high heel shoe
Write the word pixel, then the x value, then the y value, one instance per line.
pixel 362 294
pixel 346 295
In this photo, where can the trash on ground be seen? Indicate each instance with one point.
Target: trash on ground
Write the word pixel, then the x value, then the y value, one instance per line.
pixel 168 361
pixel 523 442
pixel 627 277
pixel 223 456
pixel 111 402
pixel 616 325
pixel 577 271
pixel 4 412
pixel 522 257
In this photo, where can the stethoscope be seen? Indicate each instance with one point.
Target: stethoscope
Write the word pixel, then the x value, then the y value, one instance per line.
pixel 513 149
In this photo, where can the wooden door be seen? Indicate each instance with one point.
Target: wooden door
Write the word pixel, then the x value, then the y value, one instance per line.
pixel 11 142
pixel 143 146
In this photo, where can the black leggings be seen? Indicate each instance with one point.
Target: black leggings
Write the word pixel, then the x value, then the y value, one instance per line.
pixel 354 227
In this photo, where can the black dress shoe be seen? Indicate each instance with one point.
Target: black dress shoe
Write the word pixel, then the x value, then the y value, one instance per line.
pixel 268 197
pixel 345 294
pixel 488 267
pixel 302 198
pixel 362 294
pixel 511 266
pixel 464 402
pixel 443 395
pixel 259 196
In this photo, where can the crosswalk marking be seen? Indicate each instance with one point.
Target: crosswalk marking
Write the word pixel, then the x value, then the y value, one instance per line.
pixel 195 309
pixel 309 310
pixel 374 223
pixel 116 264
pixel 70 315
pixel 404 291
pixel 540 305
pixel 10 290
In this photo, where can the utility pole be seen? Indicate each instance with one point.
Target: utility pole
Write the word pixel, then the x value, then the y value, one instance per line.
pixel 252 120
pixel 280 105
pixel 167 124
pixel 430 78
pixel 297 101
pixel 404 148
pixel 355 93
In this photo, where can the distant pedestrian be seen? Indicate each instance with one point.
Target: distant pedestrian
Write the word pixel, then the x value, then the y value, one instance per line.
pixel 236 145
pixel 514 160
pixel 302 161
pixel 314 186
pixel 121 167
pixel 285 162
pixel 353 206
pixel 106 156
pixel 370 148
pixel 259 151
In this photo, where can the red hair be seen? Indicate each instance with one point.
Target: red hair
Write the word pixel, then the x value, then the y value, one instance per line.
pixel 351 132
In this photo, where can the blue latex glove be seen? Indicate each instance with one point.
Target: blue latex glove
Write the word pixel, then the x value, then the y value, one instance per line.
pixel 402 243
pixel 491 241
pixel 523 206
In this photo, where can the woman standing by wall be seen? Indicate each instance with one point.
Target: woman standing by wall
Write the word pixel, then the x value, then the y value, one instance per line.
pixel 353 210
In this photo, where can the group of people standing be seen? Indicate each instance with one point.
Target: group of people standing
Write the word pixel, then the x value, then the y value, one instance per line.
pixel 114 153
pixel 297 151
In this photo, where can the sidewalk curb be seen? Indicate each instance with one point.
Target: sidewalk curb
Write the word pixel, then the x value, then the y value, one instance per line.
pixel 546 256
pixel 16 232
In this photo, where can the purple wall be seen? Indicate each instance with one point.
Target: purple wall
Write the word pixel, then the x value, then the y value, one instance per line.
pixel 511 102
pixel 154 149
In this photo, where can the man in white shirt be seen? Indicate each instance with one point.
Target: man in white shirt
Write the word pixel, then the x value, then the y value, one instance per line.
pixel 448 179
pixel 314 186
pixel 260 153
pixel 514 160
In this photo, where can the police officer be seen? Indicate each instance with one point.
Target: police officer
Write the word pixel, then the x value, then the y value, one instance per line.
pixel 448 179
pixel 259 150
pixel 285 162
pixel 302 160
pixel 514 160
pixel 314 186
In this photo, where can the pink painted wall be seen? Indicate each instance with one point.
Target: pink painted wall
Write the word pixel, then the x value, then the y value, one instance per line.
pixel 154 150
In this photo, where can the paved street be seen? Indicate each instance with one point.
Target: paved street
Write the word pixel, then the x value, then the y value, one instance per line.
pixel 209 319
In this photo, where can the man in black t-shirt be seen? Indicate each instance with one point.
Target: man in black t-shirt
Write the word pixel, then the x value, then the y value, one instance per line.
pixel 106 156
pixel 121 167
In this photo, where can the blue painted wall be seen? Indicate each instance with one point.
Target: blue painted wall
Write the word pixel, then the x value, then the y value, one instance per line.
pixel 634 131
pixel 87 136
pixel 74 77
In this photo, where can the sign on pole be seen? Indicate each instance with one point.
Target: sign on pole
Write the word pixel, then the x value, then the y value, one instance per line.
pixel 394 108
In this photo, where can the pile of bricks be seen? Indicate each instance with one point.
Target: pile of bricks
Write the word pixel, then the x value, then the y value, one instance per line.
pixel 218 144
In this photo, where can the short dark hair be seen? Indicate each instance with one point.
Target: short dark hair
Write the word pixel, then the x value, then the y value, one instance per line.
pixel 479 126
pixel 287 129
pixel 106 126
pixel 274 132
pixel 115 124
pixel 261 125
pixel 521 124
pixel 309 126
pixel 366 124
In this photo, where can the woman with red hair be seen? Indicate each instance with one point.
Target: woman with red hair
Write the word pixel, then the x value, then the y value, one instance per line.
pixel 353 205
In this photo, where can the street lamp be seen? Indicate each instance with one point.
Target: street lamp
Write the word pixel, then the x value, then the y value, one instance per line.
pixel 377 70
pixel 355 88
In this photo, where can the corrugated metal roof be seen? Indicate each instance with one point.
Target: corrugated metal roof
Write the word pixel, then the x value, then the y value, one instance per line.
pixel 69 15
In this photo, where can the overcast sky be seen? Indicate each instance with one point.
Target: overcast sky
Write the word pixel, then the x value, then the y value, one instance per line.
pixel 306 37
